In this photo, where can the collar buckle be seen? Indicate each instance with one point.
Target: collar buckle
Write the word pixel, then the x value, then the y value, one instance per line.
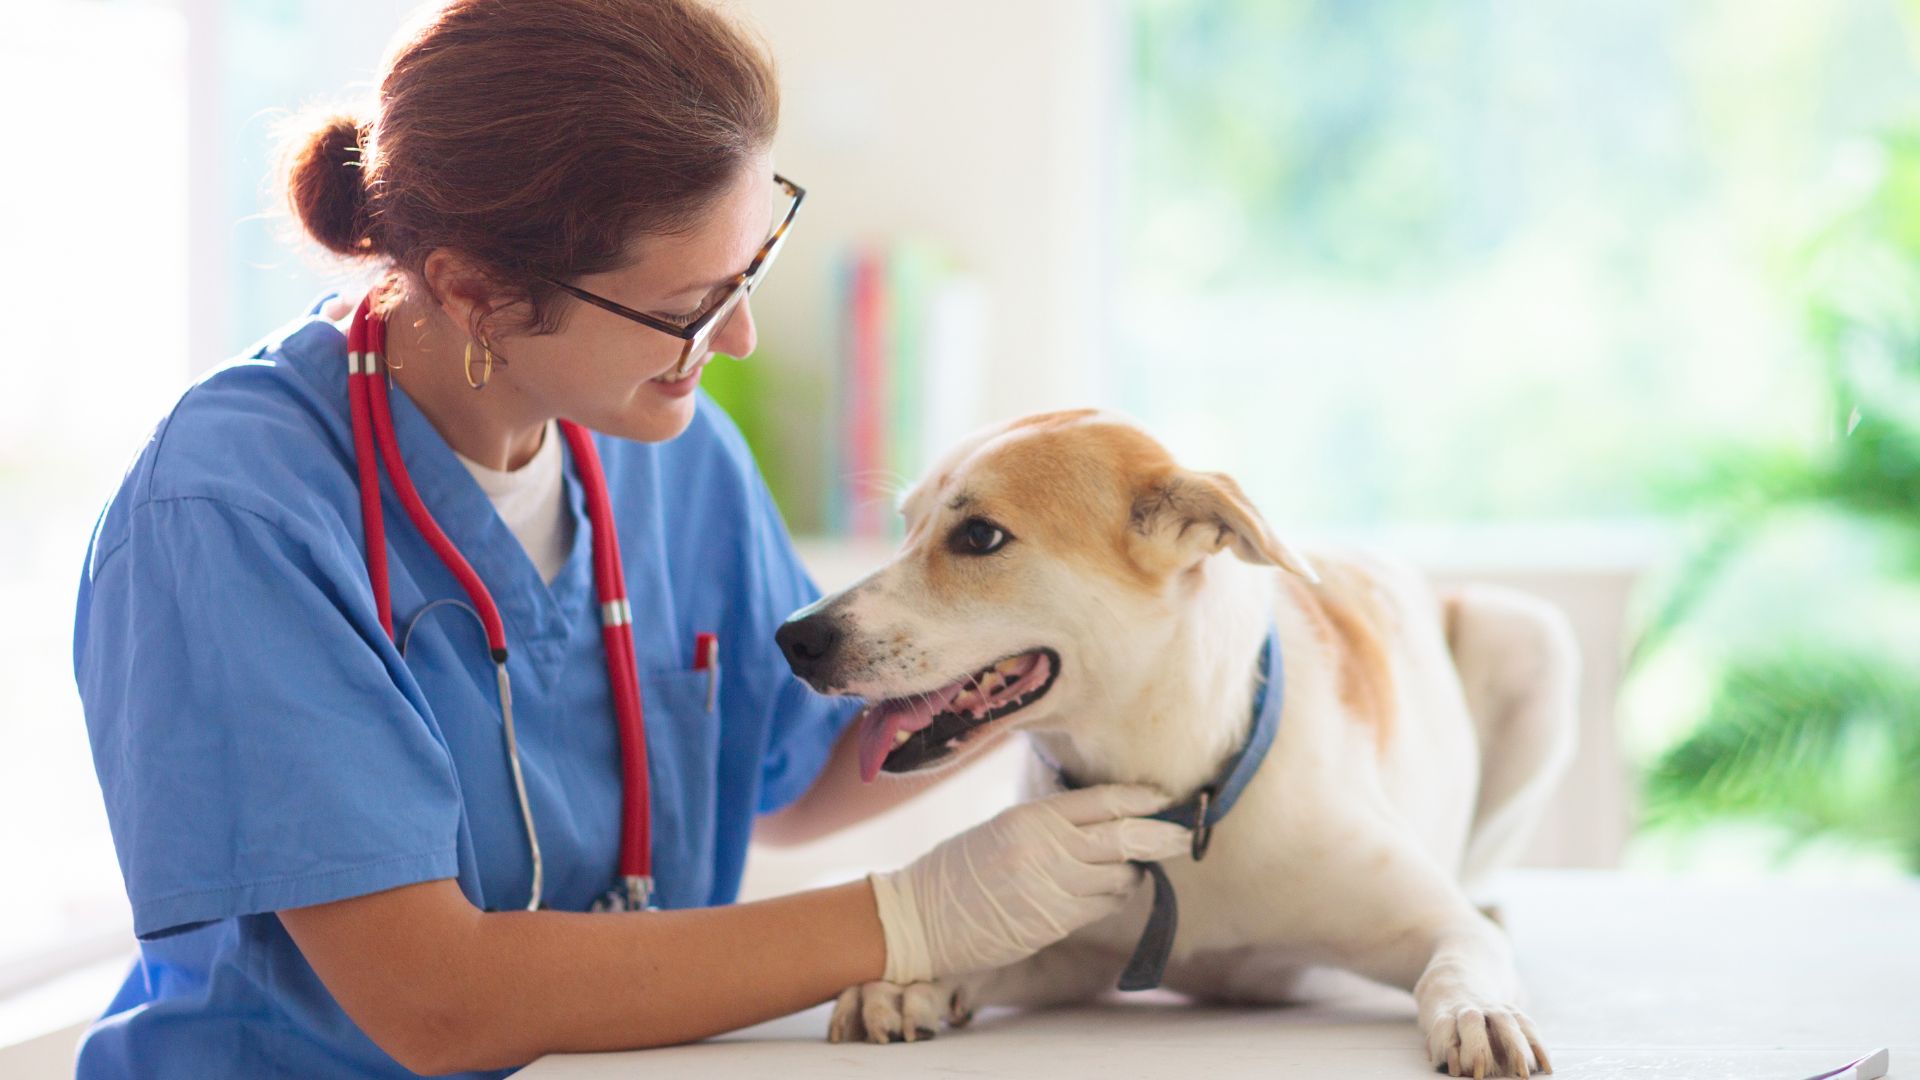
pixel 1202 827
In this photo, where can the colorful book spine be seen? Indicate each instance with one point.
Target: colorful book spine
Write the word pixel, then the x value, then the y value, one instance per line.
pixel 870 395
pixel 838 514
pixel 909 336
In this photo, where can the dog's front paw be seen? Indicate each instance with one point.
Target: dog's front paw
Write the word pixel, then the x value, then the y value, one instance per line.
pixel 1485 1040
pixel 884 1012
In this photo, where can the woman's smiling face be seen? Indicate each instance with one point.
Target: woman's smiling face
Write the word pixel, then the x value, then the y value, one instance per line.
pixel 606 371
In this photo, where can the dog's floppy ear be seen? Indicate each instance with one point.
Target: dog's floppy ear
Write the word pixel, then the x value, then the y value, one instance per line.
pixel 1186 516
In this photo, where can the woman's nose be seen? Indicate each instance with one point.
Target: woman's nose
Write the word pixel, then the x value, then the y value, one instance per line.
pixel 735 336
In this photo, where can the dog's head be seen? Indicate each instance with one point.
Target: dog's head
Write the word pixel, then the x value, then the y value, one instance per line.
pixel 1030 548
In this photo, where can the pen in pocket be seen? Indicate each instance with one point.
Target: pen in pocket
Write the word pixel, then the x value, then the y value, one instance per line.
pixel 706 657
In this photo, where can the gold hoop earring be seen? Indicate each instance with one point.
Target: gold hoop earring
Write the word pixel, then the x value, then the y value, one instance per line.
pixel 486 373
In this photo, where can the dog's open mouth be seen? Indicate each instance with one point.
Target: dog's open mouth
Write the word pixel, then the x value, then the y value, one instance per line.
pixel 904 734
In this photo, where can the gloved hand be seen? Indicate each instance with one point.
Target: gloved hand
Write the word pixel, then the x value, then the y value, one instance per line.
pixel 1027 878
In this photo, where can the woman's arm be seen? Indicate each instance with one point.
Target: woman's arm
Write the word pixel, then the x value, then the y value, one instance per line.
pixel 838 797
pixel 443 986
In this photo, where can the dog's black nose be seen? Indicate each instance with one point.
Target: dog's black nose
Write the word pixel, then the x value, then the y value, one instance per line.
pixel 808 643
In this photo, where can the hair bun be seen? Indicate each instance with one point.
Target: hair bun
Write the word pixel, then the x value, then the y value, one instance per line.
pixel 326 183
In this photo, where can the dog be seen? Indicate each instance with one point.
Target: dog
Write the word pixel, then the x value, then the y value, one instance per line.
pixel 1062 575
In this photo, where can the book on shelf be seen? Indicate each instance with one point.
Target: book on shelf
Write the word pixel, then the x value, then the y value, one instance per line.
pixel 907 384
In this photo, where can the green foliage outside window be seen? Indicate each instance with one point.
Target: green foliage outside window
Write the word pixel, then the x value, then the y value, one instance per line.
pixel 1813 728
pixel 1392 261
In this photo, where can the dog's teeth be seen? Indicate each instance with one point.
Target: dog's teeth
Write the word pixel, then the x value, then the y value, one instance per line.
pixel 900 737
pixel 1008 666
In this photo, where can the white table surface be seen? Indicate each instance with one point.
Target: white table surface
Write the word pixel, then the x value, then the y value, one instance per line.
pixel 1629 977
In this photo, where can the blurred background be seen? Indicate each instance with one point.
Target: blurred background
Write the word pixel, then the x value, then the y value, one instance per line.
pixel 1618 300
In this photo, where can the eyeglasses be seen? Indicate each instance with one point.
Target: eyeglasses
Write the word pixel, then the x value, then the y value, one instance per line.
pixel 697 332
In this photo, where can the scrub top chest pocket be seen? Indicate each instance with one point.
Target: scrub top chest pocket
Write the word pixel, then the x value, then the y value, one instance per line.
pixel 683 747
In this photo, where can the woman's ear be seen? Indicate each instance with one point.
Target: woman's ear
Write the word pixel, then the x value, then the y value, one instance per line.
pixel 1186 516
pixel 464 293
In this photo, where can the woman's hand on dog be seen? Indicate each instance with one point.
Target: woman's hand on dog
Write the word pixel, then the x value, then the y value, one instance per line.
pixel 1015 884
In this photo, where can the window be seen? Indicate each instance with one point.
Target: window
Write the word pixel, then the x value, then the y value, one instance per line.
pixel 144 252
pixel 1556 262
pixel 96 349
pixel 1452 262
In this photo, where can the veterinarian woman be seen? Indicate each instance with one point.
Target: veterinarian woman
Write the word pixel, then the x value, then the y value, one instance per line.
pixel 311 770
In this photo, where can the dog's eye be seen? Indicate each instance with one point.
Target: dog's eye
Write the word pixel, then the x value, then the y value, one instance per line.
pixel 978 536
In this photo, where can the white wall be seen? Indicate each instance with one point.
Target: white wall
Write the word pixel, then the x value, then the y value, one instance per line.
pixel 982 127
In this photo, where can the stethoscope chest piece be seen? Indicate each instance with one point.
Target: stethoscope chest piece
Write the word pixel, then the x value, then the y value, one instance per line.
pixel 631 894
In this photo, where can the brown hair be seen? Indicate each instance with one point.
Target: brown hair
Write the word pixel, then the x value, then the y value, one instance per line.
pixel 536 137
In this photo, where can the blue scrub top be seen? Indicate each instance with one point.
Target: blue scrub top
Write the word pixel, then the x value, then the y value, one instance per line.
pixel 261 744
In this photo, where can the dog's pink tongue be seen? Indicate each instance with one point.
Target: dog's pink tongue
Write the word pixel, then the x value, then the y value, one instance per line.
pixel 881 724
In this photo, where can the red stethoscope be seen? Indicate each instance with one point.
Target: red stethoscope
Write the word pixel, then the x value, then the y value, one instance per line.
pixel 373 427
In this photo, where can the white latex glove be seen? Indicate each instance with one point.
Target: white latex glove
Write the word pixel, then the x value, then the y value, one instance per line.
pixel 1013 885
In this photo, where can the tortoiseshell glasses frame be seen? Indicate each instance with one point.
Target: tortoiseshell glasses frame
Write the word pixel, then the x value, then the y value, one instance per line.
pixel 699 330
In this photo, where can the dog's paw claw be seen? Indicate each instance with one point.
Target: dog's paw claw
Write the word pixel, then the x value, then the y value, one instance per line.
pixel 845 1026
pixel 882 1012
pixel 1482 1041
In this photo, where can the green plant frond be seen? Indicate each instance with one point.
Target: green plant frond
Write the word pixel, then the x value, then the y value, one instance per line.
pixel 1694 579
pixel 1744 490
pixel 1813 740
pixel 1876 470
pixel 1819 739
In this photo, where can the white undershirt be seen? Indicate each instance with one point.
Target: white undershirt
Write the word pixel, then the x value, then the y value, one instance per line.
pixel 532 501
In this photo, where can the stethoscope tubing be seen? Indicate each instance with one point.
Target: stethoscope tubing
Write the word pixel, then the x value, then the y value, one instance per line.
pixel 375 446
pixel 616 619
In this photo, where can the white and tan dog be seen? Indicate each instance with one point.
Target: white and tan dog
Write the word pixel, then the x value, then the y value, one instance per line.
pixel 1062 575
